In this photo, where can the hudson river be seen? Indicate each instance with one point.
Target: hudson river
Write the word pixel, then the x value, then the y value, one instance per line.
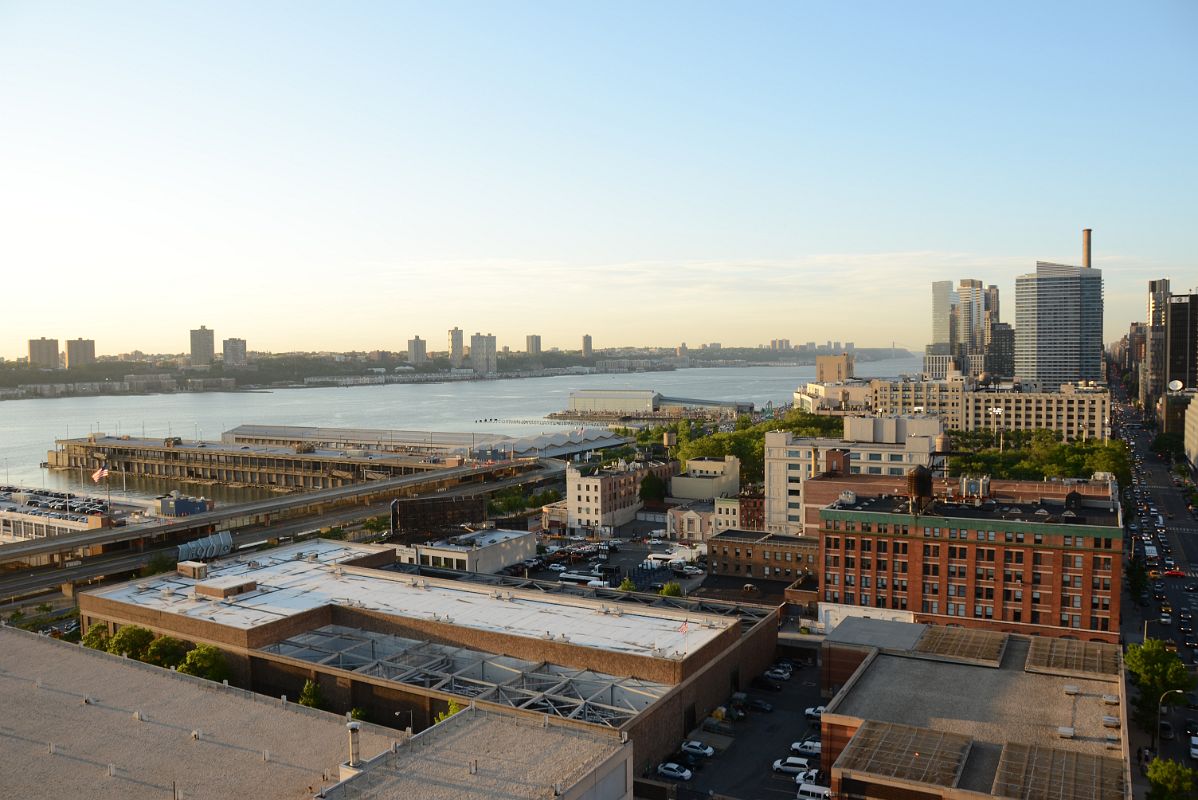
pixel 28 428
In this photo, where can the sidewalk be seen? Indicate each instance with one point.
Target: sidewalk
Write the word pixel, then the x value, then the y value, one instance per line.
pixel 1132 629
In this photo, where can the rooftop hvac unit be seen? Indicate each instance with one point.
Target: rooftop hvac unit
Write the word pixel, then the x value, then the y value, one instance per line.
pixel 1065 732
pixel 1111 699
pixel 1110 722
pixel 1071 689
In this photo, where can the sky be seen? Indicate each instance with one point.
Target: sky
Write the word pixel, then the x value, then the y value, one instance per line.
pixel 344 176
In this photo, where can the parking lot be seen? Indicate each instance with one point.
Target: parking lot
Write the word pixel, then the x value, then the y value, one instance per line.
pixel 745 768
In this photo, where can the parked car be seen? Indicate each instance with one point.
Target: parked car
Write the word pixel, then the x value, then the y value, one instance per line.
pixel 697 748
pixel 814 713
pixel 777 675
pixel 807 747
pixel 791 765
pixel 757 704
pixel 808 776
pixel 558 567
pixel 675 771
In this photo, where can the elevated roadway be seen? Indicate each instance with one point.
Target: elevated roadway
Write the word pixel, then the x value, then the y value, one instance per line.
pixel 272 510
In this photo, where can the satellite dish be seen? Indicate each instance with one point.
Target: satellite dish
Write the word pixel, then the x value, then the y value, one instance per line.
pixel 1175 386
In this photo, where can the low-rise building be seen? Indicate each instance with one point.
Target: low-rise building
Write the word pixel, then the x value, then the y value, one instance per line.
pixel 836 398
pixel 606 497
pixel 753 554
pixel 707 478
pixel 693 521
pixel 486 551
pixel 957 714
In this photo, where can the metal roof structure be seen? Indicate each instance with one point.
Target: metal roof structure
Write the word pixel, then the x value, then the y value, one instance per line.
pixel 547 688
pixel 970 645
pixel 1073 656
pixel 920 755
pixel 1033 772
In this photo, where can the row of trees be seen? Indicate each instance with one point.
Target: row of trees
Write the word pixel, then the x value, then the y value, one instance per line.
pixel 1033 455
pixel 1160 676
pixel 134 641
pixel 516 499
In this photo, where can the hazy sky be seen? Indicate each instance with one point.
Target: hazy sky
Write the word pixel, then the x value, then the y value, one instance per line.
pixel 346 175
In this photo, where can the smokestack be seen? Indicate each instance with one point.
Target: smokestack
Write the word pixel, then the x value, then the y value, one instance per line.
pixel 1086 248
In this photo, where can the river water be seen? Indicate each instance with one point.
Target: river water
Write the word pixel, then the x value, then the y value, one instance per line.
pixel 28 428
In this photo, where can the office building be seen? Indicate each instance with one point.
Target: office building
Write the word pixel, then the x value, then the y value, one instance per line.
pixel 928 711
pixel 43 353
pixel 483 358
pixel 1000 351
pixel 1152 365
pixel 874 446
pixel 456 349
pixel 532 344
pixel 202 347
pixel 1181 341
pixel 233 352
pixel 1058 325
pixel 80 353
pixel 943 303
pixel 1041 558
pixel 587 351
pixel 487 551
pixel 417 351
pixel 753 554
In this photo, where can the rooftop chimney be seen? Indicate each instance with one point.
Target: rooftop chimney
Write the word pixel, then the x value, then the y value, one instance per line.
pixel 1086 248
pixel 353 743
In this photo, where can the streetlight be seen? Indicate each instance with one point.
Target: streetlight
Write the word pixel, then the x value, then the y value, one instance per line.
pixel 1157 729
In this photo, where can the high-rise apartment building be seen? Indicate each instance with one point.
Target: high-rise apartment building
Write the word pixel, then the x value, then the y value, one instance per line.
pixel 1181 341
pixel 1058 325
pixel 233 352
pixel 43 353
pixel 80 352
pixel 417 351
pixel 587 351
pixel 943 301
pixel 1000 350
pixel 532 344
pixel 203 347
pixel 457 355
pixel 483 358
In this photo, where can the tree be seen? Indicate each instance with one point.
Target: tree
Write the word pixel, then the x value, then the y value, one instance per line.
pixel 43 608
pixel 311 695
pixel 653 489
pixel 671 589
pixel 447 713
pixel 1171 780
pixel 158 563
pixel 1137 576
pixel 96 637
pixel 357 712
pixel 627 585
pixel 205 661
pixel 166 652
pixel 132 641
pixel 376 525
pixel 1155 671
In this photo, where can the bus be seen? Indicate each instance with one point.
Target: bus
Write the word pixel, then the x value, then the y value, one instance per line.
pixel 1152 558
pixel 577 577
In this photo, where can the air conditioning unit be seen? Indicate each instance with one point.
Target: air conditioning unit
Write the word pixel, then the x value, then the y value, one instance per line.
pixel 1071 690
pixel 1065 732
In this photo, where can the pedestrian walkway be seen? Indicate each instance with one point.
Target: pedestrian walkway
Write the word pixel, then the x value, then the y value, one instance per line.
pixel 1131 626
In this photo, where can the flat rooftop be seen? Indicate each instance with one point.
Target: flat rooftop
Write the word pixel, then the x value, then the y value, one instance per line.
pixel 1091 512
pixel 993 708
pixel 884 634
pixel 515 758
pixel 477 539
pixel 188 445
pixel 737 535
pixel 43 683
pixel 309 574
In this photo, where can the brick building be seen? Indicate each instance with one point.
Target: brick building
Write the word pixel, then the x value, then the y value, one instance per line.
pixel 753 554
pixel 1033 557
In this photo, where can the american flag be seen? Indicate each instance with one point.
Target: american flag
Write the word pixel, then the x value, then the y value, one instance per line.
pixel 102 472
pixel 683 628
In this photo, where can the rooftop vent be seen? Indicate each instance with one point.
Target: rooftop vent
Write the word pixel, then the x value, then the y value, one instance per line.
pixel 1071 689
pixel 1110 722
pixel 1065 732
pixel 1111 699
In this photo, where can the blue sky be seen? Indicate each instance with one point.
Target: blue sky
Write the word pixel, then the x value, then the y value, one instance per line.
pixel 344 176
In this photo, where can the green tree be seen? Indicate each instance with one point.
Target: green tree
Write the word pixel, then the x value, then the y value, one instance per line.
pixel 376 525
pixel 653 489
pixel 671 589
pixel 1137 576
pixel 311 695
pixel 1155 671
pixel 96 637
pixel 158 563
pixel 447 713
pixel 166 652
pixel 131 640
pixel 205 661
pixel 1171 780
pixel 627 585
pixel 43 608
pixel 357 712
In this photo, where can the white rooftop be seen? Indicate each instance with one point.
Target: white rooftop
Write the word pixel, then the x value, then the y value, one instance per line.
pixel 306 575
pixel 483 538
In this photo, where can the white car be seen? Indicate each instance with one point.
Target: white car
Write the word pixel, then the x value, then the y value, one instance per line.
pixel 557 567
pixel 675 771
pixel 777 674
pixel 807 776
pixel 814 713
pixel 807 747
pixel 791 765
pixel 697 748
